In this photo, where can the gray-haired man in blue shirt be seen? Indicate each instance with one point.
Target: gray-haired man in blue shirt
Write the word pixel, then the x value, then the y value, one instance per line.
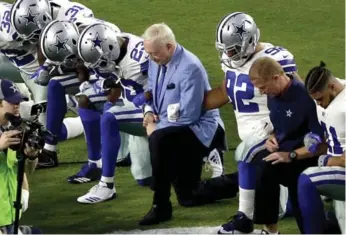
pixel 180 132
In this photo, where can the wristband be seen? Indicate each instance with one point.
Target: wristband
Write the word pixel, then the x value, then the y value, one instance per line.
pixel 147 109
pixel 323 159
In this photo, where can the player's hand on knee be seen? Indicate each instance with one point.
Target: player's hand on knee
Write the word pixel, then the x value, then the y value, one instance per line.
pixel 41 76
pixel 311 142
pixel 272 144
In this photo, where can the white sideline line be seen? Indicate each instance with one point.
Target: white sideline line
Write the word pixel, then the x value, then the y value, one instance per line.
pixel 186 230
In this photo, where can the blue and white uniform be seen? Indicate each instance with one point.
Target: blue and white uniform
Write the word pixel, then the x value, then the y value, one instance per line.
pixel 326 180
pixel 253 123
pixel 123 116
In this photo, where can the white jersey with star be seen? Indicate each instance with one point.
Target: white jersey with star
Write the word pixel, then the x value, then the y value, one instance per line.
pixel 24 57
pixel 250 107
pixel 133 68
pixel 332 120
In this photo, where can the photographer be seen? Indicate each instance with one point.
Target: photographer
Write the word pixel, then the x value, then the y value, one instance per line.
pixel 10 99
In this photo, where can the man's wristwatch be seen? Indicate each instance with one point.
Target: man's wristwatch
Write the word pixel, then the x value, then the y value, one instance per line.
pixel 293 155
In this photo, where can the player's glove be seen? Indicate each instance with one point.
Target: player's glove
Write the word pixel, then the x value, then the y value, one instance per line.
pixel 139 99
pixel 41 76
pixel 311 141
pixel 323 159
pixel 142 98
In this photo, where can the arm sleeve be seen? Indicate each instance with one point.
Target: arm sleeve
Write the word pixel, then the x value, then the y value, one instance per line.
pixel 192 94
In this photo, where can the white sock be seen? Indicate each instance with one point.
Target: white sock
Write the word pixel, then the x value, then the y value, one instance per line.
pixel 50 147
pixel 73 126
pixel 98 163
pixel 107 179
pixel 247 201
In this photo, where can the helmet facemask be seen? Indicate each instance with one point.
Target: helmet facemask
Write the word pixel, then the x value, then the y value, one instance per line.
pixel 105 63
pixel 234 56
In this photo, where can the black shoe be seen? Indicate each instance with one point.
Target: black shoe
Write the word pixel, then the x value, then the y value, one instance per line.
pixel 157 214
pixel 89 172
pixel 47 159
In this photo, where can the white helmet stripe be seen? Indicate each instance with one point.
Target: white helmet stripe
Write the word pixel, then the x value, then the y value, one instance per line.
pixel 222 25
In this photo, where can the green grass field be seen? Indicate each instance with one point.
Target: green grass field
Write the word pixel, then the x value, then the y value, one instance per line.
pixel 312 30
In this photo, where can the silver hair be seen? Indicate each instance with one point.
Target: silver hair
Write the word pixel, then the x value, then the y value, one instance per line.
pixel 160 33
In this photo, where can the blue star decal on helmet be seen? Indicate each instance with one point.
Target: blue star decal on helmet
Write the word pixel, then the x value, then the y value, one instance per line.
pixel 97 41
pixel 240 30
pixel 60 44
pixel 30 18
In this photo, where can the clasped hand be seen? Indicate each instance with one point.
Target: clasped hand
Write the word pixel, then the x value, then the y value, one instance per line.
pixel 275 157
pixel 149 122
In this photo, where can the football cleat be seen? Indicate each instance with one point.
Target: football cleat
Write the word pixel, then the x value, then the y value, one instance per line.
pixel 239 223
pixel 214 162
pixel 266 232
pixel 47 159
pixel 30 230
pixel 89 172
pixel 98 193
pixel 22 229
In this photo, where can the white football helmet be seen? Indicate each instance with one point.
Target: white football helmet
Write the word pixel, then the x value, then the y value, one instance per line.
pixel 98 47
pixel 58 42
pixel 237 36
pixel 29 17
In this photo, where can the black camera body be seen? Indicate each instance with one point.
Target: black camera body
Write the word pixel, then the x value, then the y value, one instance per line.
pixel 33 133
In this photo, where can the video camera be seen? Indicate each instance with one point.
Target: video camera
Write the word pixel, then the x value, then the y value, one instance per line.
pixel 33 133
